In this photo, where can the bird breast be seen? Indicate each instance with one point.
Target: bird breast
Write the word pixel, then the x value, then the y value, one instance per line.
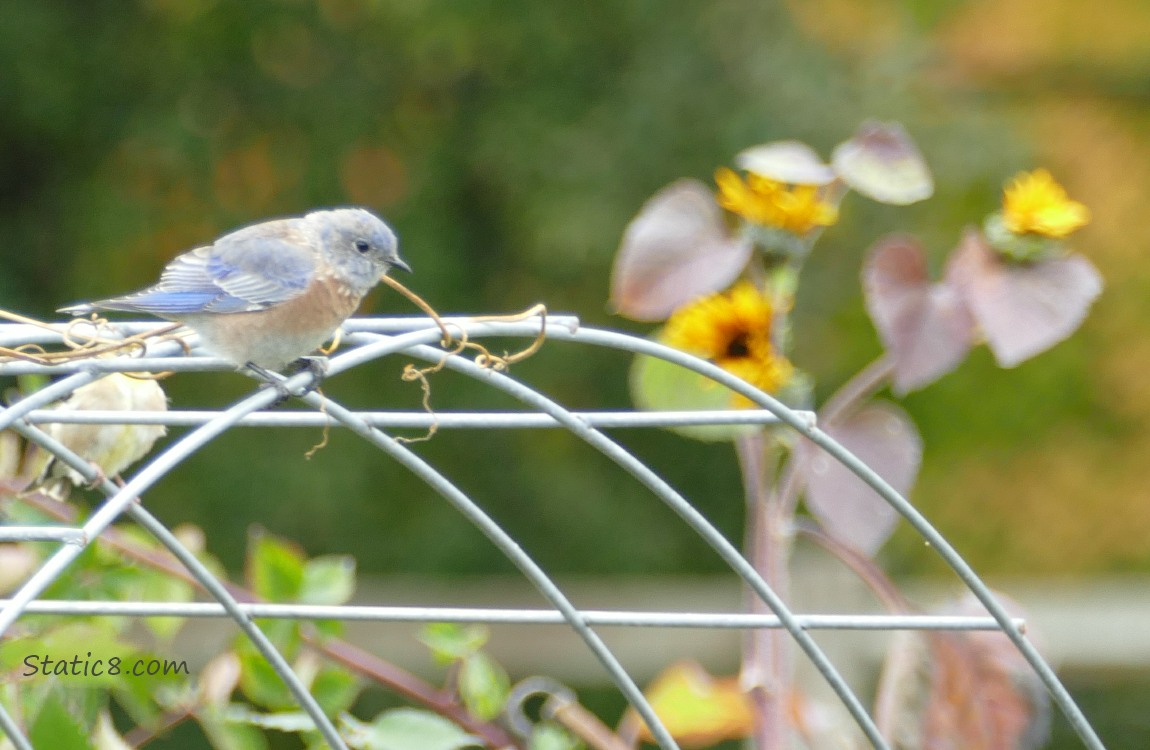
pixel 282 333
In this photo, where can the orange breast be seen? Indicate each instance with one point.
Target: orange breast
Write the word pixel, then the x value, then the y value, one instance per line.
pixel 274 337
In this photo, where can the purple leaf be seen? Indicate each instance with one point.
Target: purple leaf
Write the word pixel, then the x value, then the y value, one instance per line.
pixel 677 248
pixel 1023 309
pixel 793 162
pixel 882 162
pixel 982 694
pixel 963 689
pixel 926 328
pixel 884 438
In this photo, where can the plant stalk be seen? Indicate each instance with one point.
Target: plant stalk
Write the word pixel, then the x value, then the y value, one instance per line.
pixel 767 671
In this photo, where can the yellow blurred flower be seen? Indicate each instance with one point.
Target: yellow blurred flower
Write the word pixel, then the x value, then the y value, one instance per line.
pixel 760 200
pixel 699 710
pixel 733 330
pixel 1033 203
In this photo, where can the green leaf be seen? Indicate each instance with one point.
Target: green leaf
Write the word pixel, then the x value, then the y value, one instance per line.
pixel 275 568
pixel 83 653
pixel 282 721
pixel 550 736
pixel 138 699
pixel 328 580
pixel 56 728
pixel 658 385
pixel 335 689
pixel 163 587
pixel 406 729
pixel 283 633
pixel 328 628
pixel 227 735
pixel 450 642
pixel 260 683
pixel 30 383
pixel 483 685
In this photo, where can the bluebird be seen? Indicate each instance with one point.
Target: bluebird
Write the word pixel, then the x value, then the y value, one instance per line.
pixel 267 295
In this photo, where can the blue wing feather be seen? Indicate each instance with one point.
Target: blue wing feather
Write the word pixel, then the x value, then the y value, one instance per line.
pixel 250 269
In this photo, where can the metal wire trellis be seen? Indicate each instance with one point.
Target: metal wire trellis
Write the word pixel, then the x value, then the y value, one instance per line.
pixel 369 339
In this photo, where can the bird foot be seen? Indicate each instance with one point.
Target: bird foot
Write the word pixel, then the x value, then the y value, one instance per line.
pixel 317 366
pixel 100 476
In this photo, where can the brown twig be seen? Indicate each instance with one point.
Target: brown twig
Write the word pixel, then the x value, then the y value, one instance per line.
pixel 406 684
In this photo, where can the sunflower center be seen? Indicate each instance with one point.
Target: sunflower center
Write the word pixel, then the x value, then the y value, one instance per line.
pixel 738 347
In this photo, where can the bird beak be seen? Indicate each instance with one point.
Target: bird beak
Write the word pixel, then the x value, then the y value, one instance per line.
pixel 399 263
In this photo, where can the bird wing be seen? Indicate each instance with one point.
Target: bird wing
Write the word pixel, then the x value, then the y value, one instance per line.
pixel 251 269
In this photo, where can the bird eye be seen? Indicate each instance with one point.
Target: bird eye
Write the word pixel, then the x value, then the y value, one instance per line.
pixel 362 245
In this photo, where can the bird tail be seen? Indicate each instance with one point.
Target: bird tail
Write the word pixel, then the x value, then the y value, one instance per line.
pixel 82 308
pixel 120 304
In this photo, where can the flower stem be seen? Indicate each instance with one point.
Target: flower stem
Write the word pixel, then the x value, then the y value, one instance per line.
pixel 853 393
pixel 767 668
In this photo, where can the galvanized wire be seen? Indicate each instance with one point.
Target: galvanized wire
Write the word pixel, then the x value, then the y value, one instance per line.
pixel 123 499
pixel 177 452
pixel 933 537
pixel 603 420
pixel 42 534
pixel 490 616
pixel 685 510
pixel 365 335
pixel 12 731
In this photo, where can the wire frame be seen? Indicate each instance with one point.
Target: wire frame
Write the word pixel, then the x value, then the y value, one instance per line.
pixel 369 339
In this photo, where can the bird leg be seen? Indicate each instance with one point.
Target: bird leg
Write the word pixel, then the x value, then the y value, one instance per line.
pixel 271 380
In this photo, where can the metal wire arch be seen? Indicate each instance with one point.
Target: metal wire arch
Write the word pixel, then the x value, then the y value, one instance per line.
pixel 372 345
pixel 382 347
pixel 121 500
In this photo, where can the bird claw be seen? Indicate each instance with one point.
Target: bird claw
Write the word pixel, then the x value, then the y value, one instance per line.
pixel 317 366
pixel 101 477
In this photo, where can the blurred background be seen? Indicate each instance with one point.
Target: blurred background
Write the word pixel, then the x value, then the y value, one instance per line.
pixel 509 143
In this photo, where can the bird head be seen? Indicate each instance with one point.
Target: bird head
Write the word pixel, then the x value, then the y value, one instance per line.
pixel 357 244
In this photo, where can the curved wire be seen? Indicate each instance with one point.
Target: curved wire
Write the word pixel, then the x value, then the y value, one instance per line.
pixel 509 547
pixel 199 437
pixel 632 344
pixel 916 519
pixel 123 499
pixel 722 546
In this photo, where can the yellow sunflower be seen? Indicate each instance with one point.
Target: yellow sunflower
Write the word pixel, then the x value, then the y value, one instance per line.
pixel 760 200
pixel 1033 203
pixel 733 330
